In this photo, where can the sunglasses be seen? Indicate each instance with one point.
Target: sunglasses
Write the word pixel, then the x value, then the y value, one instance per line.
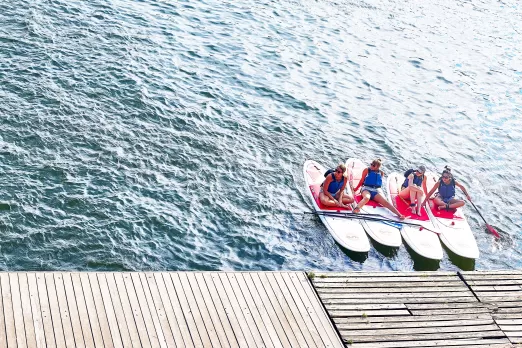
pixel 340 171
pixel 446 177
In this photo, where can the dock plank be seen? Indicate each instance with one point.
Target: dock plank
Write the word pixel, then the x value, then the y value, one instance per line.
pixel 114 310
pixel 37 281
pixel 145 332
pixel 30 330
pixel 206 306
pixel 171 304
pixel 83 315
pixel 36 310
pixel 97 310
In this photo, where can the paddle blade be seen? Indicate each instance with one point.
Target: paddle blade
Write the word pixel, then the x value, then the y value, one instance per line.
pixel 493 231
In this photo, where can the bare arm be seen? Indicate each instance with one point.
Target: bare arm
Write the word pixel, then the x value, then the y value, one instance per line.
pixel 410 180
pixel 460 186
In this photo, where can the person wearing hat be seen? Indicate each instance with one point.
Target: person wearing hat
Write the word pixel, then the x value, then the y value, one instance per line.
pixel 413 188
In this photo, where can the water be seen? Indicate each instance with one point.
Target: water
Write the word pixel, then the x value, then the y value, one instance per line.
pixel 170 135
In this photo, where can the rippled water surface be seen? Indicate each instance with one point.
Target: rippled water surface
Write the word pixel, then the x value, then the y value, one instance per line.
pixel 170 135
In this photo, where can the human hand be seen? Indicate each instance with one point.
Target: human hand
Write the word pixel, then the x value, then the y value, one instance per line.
pixel 468 197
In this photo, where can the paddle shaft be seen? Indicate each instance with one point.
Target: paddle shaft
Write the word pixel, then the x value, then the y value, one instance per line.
pixel 366 217
pixel 491 229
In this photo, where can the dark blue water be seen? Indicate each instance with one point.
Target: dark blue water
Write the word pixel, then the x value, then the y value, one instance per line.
pixel 170 135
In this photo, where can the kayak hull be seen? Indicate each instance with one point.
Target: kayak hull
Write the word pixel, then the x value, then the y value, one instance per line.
pixel 382 233
pixel 454 229
pixel 424 242
pixel 346 232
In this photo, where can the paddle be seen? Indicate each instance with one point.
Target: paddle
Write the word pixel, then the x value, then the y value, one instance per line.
pixel 373 217
pixel 490 229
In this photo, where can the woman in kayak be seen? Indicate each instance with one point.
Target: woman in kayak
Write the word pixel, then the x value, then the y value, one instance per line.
pixel 413 188
pixel 371 182
pixel 445 198
pixel 332 193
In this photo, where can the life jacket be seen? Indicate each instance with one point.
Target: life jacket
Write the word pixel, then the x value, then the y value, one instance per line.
pixel 447 191
pixel 417 180
pixel 335 185
pixel 373 179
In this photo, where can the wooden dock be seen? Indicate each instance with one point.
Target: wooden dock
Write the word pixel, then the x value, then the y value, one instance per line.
pixel 261 309
pixel 185 309
pixel 421 309
pixel 501 291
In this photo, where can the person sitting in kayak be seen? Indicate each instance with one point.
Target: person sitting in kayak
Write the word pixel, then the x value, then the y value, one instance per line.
pixel 371 182
pixel 445 198
pixel 332 193
pixel 413 188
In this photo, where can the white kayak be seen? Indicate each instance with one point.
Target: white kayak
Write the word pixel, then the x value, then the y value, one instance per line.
pixel 349 233
pixel 424 242
pixel 454 229
pixel 381 232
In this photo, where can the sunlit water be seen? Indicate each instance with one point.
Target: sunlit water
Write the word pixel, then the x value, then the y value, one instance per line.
pixel 170 135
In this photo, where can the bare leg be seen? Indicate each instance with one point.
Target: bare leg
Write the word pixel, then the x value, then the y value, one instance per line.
pixel 405 193
pixel 439 202
pixel 325 200
pixel 420 199
pixel 347 199
pixel 456 203
pixel 365 198
pixel 384 202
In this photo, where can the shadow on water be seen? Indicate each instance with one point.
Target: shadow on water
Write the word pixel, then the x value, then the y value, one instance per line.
pixel 420 263
pixel 383 249
pixel 355 256
pixel 463 263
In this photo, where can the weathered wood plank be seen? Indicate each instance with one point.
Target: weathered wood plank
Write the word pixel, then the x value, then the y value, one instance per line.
pixel 115 281
pixel 146 330
pixel 221 323
pixel 81 284
pixel 309 296
pixel 480 316
pixel 414 306
pixel 157 311
pixel 30 330
pixel 449 311
pixel 403 285
pixel 380 279
pixel 199 309
pixel 36 310
pixel 455 343
pixel 220 298
pixel 287 302
pixel 284 314
pixel 7 301
pixel 431 336
pixel 399 295
pixel 509 321
pixel 75 292
pixel 412 324
pixel 410 290
pixel 265 313
pixel 107 327
pixel 192 316
pixel 493 282
pixel 150 315
pixel 418 330
pixel 114 311
pixel 235 295
pixel 65 279
pixel 511 328
pixel 17 310
pixel 54 307
pixel 37 281
pixel 284 281
pixel 337 307
pixel 322 275
pixel 341 300
pixel 182 310
pixel 173 309
pixel 282 328
pixel 368 313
